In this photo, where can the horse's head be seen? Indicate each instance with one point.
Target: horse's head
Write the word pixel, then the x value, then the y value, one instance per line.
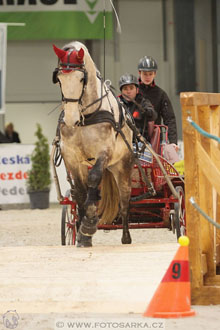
pixel 72 76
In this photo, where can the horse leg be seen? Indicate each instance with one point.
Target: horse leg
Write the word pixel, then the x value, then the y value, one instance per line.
pixel 125 194
pixel 89 222
pixel 122 176
pixel 80 196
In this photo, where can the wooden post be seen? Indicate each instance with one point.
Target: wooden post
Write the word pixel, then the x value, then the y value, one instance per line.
pixel 202 181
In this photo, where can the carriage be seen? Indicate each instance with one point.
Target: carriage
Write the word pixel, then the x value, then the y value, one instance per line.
pixel 110 187
pixel 164 210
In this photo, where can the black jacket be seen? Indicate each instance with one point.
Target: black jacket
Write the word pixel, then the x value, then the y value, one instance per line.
pixel 3 138
pixel 143 114
pixel 13 138
pixel 163 107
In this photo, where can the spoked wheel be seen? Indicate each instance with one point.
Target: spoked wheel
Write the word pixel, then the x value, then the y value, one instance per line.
pixel 172 223
pixel 69 222
pixel 179 217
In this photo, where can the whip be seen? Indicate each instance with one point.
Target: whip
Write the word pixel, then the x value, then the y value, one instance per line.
pixel 104 28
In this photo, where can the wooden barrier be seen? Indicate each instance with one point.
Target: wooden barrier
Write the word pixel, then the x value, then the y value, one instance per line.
pixel 202 181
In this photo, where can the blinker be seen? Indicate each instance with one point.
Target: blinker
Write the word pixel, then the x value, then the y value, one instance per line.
pixel 54 77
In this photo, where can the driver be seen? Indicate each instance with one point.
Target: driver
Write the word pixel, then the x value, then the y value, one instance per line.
pixel 140 108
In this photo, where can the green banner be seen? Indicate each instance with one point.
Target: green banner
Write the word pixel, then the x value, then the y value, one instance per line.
pixel 56 19
pixel 56 25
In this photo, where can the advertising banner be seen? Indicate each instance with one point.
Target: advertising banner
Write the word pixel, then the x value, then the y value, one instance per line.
pixel 57 19
pixel 15 162
pixel 3 51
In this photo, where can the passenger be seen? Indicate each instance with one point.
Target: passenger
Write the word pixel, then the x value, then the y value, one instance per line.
pixel 10 134
pixel 147 72
pixel 141 108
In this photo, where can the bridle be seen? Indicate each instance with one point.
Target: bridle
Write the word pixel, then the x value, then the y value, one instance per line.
pixel 71 67
pixel 67 66
pixel 83 80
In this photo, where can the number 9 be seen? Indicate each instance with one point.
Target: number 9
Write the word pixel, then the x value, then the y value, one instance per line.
pixel 176 270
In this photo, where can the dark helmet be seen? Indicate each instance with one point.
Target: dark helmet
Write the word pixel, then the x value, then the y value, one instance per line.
pixel 127 79
pixel 147 63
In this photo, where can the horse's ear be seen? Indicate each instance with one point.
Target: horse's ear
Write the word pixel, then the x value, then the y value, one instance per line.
pixel 80 55
pixel 59 52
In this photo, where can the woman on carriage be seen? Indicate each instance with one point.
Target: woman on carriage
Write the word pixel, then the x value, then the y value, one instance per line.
pixel 141 108
pixel 147 68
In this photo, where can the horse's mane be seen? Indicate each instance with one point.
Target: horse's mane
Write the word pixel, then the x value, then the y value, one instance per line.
pixel 75 45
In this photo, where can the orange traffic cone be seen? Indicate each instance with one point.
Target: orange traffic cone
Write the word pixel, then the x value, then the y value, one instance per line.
pixel 172 297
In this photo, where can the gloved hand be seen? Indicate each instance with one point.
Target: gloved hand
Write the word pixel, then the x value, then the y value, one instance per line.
pixel 175 146
pixel 146 106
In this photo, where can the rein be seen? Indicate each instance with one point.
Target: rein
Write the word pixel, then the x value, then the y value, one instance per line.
pixel 94 115
pixel 97 100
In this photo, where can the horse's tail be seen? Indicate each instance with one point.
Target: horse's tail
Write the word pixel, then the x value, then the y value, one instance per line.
pixel 109 204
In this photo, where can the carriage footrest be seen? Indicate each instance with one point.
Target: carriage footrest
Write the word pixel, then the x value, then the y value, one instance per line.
pixel 143 196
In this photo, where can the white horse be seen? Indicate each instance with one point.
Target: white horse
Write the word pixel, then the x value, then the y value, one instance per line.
pixel 93 131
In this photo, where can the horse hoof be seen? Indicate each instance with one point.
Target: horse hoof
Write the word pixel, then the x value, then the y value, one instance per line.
pixel 83 241
pixel 126 238
pixel 89 226
pixel 87 231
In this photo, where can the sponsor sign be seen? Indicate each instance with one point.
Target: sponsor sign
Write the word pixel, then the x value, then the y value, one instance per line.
pixel 57 19
pixel 14 165
pixel 15 161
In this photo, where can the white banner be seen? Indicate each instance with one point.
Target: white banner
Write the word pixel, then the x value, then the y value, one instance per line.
pixel 14 164
pixel 3 51
pixel 54 5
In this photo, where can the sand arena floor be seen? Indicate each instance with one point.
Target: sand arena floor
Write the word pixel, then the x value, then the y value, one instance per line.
pixel 43 281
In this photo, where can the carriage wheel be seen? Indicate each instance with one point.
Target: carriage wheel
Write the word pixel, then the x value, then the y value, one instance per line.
pixel 172 224
pixel 69 222
pixel 180 214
